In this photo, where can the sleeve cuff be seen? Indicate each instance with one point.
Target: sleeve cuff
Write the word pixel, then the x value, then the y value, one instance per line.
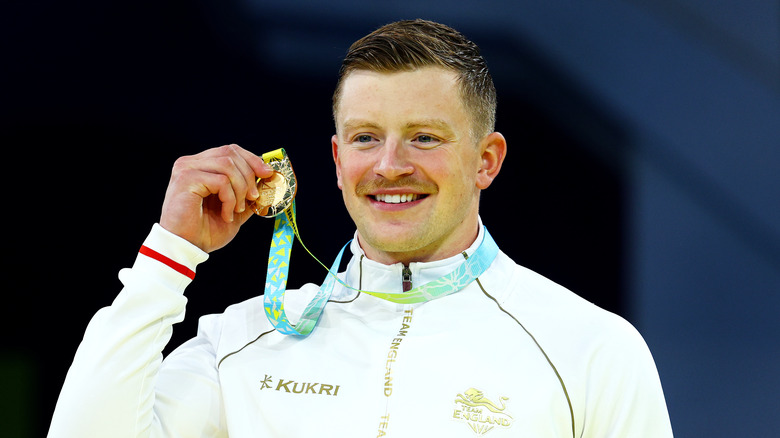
pixel 175 257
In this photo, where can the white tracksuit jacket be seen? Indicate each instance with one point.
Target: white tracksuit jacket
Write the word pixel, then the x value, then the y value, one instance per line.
pixel 512 355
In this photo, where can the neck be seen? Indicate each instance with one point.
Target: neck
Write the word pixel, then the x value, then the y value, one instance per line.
pixel 430 253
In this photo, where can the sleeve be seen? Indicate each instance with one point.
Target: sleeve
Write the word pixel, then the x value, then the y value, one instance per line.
pixel 624 395
pixel 116 386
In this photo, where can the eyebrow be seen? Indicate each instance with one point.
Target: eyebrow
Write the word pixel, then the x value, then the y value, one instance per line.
pixel 437 124
pixel 359 123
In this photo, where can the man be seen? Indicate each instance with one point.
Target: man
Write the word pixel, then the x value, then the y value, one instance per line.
pixel 487 347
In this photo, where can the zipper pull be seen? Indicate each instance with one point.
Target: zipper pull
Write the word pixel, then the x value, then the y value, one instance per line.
pixel 406 279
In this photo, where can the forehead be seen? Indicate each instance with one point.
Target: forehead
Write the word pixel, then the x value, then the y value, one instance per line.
pixel 426 93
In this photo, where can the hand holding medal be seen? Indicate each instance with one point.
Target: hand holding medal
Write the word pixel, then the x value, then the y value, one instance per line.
pixel 207 198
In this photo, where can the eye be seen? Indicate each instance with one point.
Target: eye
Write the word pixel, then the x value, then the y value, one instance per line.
pixel 364 141
pixel 426 141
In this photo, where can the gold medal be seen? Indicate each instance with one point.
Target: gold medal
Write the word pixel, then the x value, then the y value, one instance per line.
pixel 278 191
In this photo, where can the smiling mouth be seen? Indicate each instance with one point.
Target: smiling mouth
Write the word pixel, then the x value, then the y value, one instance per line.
pixel 397 199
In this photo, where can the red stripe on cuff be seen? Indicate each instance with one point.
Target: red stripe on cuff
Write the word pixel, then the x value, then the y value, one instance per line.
pixel 178 267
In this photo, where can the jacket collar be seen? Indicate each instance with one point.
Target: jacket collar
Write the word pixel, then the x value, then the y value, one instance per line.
pixel 370 275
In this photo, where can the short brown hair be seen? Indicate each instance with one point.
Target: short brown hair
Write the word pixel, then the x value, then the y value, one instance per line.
pixel 411 44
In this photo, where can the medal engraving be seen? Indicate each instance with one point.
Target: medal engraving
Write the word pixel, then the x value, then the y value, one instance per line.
pixel 278 191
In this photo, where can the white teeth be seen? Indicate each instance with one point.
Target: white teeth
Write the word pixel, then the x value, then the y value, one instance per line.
pixel 397 199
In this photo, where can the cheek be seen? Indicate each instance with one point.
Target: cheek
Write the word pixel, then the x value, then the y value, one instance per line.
pixel 348 178
pixel 354 166
pixel 349 175
pixel 461 185
pixel 454 172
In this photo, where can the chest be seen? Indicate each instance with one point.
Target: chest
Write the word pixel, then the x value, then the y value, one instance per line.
pixel 454 369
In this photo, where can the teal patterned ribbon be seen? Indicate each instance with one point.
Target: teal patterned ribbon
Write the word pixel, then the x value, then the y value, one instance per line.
pixel 285 232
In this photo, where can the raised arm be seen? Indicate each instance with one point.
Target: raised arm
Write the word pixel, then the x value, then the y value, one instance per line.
pixel 115 386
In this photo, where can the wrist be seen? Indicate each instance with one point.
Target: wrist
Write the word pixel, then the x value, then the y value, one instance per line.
pixel 170 254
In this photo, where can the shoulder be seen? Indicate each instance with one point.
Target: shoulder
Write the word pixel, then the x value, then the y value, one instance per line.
pixel 596 351
pixel 236 326
pixel 512 284
pixel 554 313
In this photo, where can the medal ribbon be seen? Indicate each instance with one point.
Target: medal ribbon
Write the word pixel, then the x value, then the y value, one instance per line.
pixel 286 230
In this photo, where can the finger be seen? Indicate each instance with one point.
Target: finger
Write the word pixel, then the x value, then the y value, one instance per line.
pixel 227 161
pixel 246 187
pixel 260 168
pixel 208 185
pixel 249 165
pixel 230 203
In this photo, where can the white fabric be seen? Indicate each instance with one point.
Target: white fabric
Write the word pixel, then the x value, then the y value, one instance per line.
pixel 459 366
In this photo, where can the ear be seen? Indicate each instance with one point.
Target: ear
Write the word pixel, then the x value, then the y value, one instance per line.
pixel 334 144
pixel 493 149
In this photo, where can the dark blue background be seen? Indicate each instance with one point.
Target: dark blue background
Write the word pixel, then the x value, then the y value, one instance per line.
pixel 642 172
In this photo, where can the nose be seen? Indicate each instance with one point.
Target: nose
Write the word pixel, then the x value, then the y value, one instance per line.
pixel 393 160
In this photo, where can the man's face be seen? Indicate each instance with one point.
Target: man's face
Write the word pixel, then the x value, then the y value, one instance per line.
pixel 407 165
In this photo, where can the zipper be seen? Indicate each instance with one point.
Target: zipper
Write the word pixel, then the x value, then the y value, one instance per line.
pixel 406 279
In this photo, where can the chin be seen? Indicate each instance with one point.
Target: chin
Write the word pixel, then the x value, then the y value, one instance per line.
pixel 393 245
pixel 395 240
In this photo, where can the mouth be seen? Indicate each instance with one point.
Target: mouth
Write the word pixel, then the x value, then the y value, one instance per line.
pixel 397 198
